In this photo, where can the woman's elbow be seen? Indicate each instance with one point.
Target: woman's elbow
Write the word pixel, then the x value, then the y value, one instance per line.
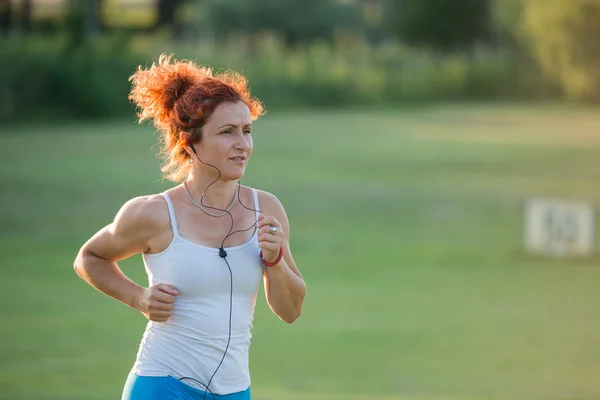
pixel 79 263
pixel 297 309
pixel 291 317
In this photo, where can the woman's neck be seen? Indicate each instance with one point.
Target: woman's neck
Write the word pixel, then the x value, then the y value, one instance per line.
pixel 219 195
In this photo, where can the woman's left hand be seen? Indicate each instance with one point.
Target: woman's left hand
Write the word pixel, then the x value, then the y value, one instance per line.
pixel 270 237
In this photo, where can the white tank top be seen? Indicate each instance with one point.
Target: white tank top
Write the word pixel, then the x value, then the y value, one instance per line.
pixel 192 342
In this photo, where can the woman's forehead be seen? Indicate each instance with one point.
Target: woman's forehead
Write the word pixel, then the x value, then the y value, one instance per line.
pixel 236 114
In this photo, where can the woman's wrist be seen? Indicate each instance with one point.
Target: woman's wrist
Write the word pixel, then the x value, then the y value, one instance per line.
pixel 276 261
pixel 135 298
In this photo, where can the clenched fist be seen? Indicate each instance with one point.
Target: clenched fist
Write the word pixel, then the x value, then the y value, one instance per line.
pixel 156 302
pixel 270 237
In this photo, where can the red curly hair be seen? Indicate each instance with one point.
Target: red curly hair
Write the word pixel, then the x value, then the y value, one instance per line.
pixel 179 96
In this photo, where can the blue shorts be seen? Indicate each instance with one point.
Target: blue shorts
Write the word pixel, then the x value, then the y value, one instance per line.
pixel 170 388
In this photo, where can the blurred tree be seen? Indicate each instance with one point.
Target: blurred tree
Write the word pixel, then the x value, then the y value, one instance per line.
pixel 375 14
pixel 92 15
pixel 25 16
pixel 441 24
pixel 75 24
pixel 82 21
pixel 563 36
pixel 295 21
pixel 166 12
pixel 5 16
pixel 506 16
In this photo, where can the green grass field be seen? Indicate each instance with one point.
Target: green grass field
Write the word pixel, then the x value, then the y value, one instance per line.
pixel 407 226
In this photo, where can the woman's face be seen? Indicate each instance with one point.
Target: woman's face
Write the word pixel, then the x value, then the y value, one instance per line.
pixel 226 140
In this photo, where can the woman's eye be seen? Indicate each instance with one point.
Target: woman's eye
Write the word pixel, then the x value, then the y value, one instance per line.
pixel 247 131
pixel 227 131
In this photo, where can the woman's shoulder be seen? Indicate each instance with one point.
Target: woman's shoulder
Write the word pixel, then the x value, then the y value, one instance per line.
pixel 263 195
pixel 269 202
pixel 147 210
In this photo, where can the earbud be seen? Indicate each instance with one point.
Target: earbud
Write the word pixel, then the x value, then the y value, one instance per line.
pixel 193 149
pixel 222 252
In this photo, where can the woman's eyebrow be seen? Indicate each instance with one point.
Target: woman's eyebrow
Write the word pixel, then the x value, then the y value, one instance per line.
pixel 233 125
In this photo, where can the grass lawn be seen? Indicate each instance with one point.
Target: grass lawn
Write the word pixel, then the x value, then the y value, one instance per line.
pixel 407 226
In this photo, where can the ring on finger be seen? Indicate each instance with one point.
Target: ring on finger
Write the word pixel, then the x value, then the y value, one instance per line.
pixel 272 229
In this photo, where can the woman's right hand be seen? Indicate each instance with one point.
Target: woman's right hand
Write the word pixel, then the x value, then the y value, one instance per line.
pixel 156 302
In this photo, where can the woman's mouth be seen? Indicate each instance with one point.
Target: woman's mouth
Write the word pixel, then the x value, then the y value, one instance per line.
pixel 239 160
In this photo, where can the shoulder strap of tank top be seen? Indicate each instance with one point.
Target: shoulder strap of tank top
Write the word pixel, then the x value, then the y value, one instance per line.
pixel 256 205
pixel 171 214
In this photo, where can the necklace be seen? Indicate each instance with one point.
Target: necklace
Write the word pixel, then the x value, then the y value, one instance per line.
pixel 203 208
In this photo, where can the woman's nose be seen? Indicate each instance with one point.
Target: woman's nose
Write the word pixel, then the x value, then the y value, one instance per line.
pixel 243 143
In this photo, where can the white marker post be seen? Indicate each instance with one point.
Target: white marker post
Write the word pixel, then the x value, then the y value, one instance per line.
pixel 559 228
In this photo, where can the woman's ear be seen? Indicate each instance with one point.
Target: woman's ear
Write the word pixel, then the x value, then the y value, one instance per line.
pixel 186 137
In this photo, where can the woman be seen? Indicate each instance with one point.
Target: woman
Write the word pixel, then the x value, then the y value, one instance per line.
pixel 205 244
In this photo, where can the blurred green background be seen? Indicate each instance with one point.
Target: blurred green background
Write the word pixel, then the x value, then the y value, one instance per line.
pixel 404 139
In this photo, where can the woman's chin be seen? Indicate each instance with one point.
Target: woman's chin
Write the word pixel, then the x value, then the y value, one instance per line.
pixel 233 175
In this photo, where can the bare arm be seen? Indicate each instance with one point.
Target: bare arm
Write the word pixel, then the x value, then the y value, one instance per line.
pixel 136 223
pixel 284 286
